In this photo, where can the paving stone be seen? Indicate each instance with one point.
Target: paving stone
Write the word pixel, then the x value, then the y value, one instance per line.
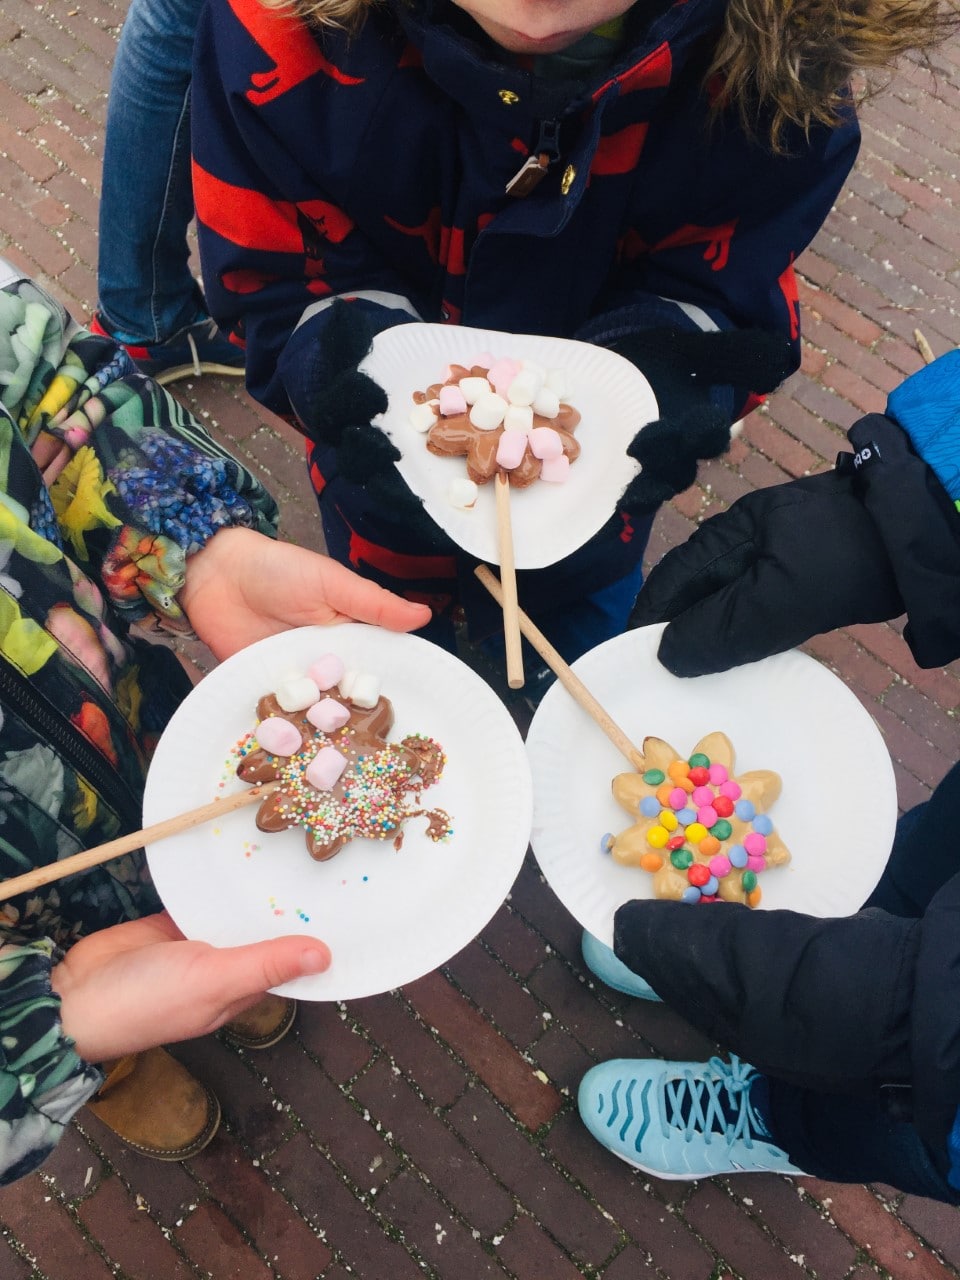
pixel 435 1235
pixel 395 1026
pixel 129 1236
pixel 215 1245
pixel 46 1233
pixel 741 1243
pixel 73 1167
pixel 530 1254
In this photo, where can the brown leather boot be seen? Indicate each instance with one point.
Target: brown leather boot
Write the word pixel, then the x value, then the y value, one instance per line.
pixel 263 1024
pixel 155 1106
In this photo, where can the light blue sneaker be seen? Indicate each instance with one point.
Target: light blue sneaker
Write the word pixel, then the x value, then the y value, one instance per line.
pixel 601 960
pixel 680 1120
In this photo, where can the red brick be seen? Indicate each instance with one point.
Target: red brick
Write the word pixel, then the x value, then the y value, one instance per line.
pixel 515 944
pixel 735 1236
pixel 527 1251
pixel 841 316
pixel 855 666
pixel 437 1237
pixel 326 1033
pixel 762 432
pixel 74 1169
pixel 394 1026
pixel 129 1237
pixel 45 1231
pixel 506 1004
pixel 799 1226
pixel 213 1243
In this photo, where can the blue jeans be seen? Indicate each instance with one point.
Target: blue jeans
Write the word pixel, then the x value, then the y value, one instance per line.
pixel 870 1138
pixel 146 290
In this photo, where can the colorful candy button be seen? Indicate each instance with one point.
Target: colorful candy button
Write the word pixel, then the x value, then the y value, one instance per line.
pixel 762 824
pixel 681 859
pixel 653 777
pixel 690 894
pixel 718 774
pixel 745 810
pixel 695 832
pixel 698 874
pixel 699 761
pixel 755 843
pixel 738 855
pixel 721 829
pixel 657 837
pixel 649 806
pixel 651 861
pixel 668 819
pixel 723 805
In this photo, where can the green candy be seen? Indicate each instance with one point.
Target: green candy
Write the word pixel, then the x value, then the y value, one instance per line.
pixel 699 761
pixel 653 777
pixel 749 881
pixel 681 859
pixel 721 829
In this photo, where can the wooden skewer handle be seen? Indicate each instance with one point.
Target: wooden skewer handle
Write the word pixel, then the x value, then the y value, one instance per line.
pixel 135 840
pixel 508 584
pixel 567 678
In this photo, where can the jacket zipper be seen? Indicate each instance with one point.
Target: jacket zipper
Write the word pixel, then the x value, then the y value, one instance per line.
pixel 52 727
pixel 534 169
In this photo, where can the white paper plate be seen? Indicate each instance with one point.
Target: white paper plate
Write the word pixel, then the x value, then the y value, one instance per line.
pixel 549 521
pixel 389 916
pixel 836 814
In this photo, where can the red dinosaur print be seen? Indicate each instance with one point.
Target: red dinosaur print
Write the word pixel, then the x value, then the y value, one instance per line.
pixel 430 232
pixel 619 152
pixel 717 240
pixel 652 72
pixel 289 46
pixel 791 294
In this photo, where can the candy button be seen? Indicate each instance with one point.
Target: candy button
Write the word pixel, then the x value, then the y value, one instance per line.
pixel 698 874
pixel 720 865
pixel 668 820
pixel 707 814
pixel 699 761
pixel 749 881
pixel 678 798
pixel 678 769
pixel 755 843
pixel 649 806
pixel 756 862
pixel 657 837
pixel 681 859
pixel 606 842
pixel 754 896
pixel 702 796
pixel 651 861
pixel 686 816
pixel 653 777
pixel 762 824
pixel 738 855
pixel 695 832
pixel 723 806
pixel 718 774
pixel 710 887
pixel 745 810
pixel 731 789
pixel 721 829
pixel 664 792
pixel 699 776
pixel 708 846
pixel 676 842
pixel 690 894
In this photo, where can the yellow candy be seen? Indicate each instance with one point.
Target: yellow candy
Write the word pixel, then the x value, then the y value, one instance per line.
pixel 651 861
pixel 696 832
pixel 658 837
pixel 669 819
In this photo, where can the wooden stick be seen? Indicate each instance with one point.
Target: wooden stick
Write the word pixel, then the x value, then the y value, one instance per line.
pixel 565 675
pixel 508 579
pixel 135 840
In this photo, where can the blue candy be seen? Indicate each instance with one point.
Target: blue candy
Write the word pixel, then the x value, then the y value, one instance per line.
pixel 762 824
pixel 692 894
pixel 744 809
pixel 650 806
pixel 737 855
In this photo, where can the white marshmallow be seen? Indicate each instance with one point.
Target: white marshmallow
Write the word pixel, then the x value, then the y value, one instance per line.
pixel 423 416
pixel 326 671
pixel 501 373
pixel 545 443
pixel 546 403
pixel 278 736
pixel 534 367
pixel 324 770
pixel 511 447
pixel 348 680
pixel 524 387
pixel 558 381
pixel 519 417
pixel 487 413
pixel 462 493
pixel 365 691
pixel 328 715
pixel 473 388
pixel 297 693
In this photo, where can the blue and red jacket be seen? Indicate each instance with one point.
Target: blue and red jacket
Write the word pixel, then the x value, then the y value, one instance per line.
pixel 377 165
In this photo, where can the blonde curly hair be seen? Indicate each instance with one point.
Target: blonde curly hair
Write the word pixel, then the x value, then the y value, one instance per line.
pixel 777 62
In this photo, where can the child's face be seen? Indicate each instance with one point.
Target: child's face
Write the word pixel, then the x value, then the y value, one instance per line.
pixel 540 26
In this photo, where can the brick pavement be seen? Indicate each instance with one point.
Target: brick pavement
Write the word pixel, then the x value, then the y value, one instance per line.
pixel 432 1131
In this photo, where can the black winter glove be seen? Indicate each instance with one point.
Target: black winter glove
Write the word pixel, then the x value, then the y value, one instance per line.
pixel 859 544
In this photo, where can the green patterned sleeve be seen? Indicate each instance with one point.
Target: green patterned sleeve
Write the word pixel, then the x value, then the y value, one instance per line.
pixel 43 1081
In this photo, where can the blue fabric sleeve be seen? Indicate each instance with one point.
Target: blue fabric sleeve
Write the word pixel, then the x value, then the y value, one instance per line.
pixel 927 406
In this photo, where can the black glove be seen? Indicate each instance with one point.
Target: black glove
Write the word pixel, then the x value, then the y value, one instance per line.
pixel 698 379
pixel 858 544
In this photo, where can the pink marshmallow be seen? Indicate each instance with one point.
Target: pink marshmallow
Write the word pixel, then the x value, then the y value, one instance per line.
pixel 326 671
pixel 278 736
pixel 483 361
pixel 324 770
pixel 451 401
pixel 545 443
pixel 511 447
pixel 555 470
pixel 328 715
pixel 501 373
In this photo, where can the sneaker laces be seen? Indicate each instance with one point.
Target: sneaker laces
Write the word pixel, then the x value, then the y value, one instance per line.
pixel 717 1103
pixel 192 344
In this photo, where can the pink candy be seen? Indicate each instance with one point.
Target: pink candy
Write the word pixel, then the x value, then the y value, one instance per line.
pixel 325 768
pixel 718 774
pixel 702 795
pixel 555 470
pixel 720 865
pixel 707 814
pixel 328 715
pixel 501 373
pixel 678 798
pixel 545 443
pixel 278 736
pixel 756 862
pixel 731 789
pixel 326 671
pixel 511 447
pixel 452 401
pixel 755 844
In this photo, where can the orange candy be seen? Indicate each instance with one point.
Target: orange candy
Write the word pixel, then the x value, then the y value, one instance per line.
pixel 754 896
pixel 708 846
pixel 663 794
pixel 651 861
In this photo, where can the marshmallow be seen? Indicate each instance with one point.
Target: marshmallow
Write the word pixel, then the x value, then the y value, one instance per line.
pixel 511 447
pixel 534 367
pixel 519 417
pixel 524 387
pixel 546 403
pixel 452 401
pixel 487 412
pixel 278 736
pixel 545 443
pixel 501 373
pixel 423 416
pixel 462 493
pixel 557 381
pixel 325 768
pixel 483 361
pixel 326 671
pixel 297 693
pixel 555 470
pixel 365 691
pixel 347 681
pixel 473 388
pixel 328 715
